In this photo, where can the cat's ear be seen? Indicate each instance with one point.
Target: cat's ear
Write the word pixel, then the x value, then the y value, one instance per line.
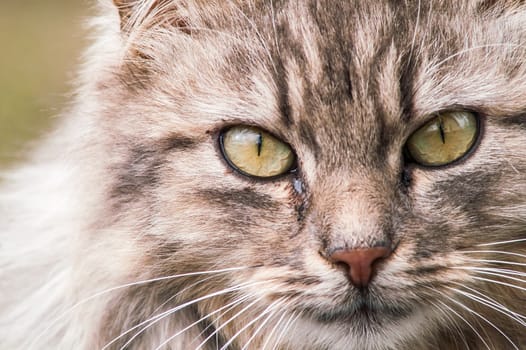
pixel 150 13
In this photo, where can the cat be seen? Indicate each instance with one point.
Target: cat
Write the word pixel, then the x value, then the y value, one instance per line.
pixel 278 174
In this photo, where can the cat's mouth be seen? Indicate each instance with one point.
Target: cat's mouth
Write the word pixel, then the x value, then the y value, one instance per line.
pixel 365 310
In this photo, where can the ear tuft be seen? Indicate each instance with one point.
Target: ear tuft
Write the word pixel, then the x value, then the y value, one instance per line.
pixel 150 13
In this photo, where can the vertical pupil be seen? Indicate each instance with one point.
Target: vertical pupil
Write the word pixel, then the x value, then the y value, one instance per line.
pixel 259 143
pixel 441 128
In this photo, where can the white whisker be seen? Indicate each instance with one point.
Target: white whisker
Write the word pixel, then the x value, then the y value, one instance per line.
pixel 502 242
pixel 227 306
pixel 153 320
pixel 218 317
pixel 498 262
pixel 454 324
pixel 189 287
pixel 274 329
pixel 461 52
pixel 499 282
pixel 482 318
pixel 485 296
pixel 216 331
pixel 128 285
pixel 268 309
pixel 256 332
pixel 293 317
pixel 467 323
pixel 497 307
pixel 494 252
pixel 499 272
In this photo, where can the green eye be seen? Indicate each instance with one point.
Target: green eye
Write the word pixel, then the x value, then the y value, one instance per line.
pixel 255 152
pixel 444 139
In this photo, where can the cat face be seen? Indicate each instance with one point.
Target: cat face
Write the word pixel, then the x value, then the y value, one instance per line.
pixel 356 243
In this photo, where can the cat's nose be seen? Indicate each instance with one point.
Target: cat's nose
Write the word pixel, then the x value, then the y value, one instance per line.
pixel 360 263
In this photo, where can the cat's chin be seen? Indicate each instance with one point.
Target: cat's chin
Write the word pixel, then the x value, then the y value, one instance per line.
pixel 360 325
pixel 364 311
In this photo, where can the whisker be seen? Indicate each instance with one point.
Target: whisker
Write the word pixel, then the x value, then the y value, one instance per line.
pixel 488 298
pixel 454 324
pixel 218 317
pixel 54 321
pixel 268 309
pixel 229 306
pixel 461 52
pixel 189 287
pixel 484 272
pixel 499 282
pixel 466 322
pixel 499 272
pixel 482 318
pixel 502 242
pixel 274 329
pixel 216 331
pixel 494 252
pixel 497 307
pixel 153 320
pixel 502 262
pixel 256 332
pixel 293 318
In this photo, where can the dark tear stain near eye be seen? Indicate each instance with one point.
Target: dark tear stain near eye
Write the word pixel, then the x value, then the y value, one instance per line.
pixel 300 209
pixel 301 200
pixel 237 198
pixel 406 179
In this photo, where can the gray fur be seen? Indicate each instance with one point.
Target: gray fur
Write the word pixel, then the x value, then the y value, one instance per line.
pixel 133 186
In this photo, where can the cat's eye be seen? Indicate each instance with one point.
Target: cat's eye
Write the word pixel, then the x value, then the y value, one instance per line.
pixel 255 152
pixel 444 139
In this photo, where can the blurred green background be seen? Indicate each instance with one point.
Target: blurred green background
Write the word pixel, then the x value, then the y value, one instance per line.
pixel 41 42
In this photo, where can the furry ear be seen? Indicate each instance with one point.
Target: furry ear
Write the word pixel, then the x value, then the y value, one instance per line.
pixel 150 13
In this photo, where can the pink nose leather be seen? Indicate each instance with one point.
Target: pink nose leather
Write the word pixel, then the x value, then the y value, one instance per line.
pixel 360 262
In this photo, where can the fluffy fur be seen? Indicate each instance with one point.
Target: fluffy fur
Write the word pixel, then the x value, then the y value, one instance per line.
pixel 127 229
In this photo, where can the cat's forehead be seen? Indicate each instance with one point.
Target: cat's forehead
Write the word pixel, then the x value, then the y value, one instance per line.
pixel 368 73
pixel 343 71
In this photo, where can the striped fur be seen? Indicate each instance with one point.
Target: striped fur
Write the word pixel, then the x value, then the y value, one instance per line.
pixel 127 229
